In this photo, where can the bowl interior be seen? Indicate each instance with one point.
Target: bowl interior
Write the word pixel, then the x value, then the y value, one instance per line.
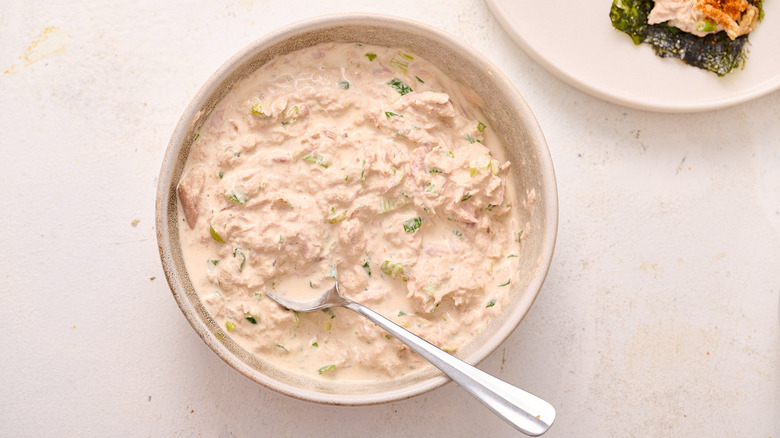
pixel 489 89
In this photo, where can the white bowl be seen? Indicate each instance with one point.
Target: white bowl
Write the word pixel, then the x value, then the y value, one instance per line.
pixel 506 111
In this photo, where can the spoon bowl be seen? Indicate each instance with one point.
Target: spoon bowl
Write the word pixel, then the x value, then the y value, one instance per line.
pixel 524 411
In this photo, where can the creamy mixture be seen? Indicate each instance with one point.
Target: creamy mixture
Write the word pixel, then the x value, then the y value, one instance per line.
pixel 356 163
pixel 702 17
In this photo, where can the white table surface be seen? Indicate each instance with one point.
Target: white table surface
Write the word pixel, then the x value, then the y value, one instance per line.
pixel 659 316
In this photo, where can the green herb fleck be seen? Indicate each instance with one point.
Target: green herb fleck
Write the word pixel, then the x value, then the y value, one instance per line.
pixel 221 174
pixel 315 344
pixel 481 127
pixel 466 197
pixel 214 262
pixel 371 56
pixel 401 313
pixel 230 325
pixel 329 312
pixel 367 267
pixel 251 319
pixel 399 86
pixel 326 368
pixel 344 85
pixel 434 170
pixel 411 225
pixel 389 114
pixel 491 303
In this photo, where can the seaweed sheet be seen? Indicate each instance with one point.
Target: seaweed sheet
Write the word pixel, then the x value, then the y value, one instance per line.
pixel 715 52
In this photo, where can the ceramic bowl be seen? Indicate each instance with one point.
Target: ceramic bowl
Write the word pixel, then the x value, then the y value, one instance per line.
pixel 506 111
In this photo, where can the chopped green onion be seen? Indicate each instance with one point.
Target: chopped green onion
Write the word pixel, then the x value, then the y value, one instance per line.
pixel 251 319
pixel 401 313
pixel 458 233
pixel 315 344
pixel 420 80
pixel 371 56
pixel 316 159
pixel 434 170
pixel 257 109
pixel 283 348
pixel 400 61
pixel 466 197
pixel 433 309
pixel 399 86
pixel 326 368
pixel 243 258
pixel 196 137
pixel 705 26
pixel 214 235
pixel 230 325
pixel 389 114
pixel 511 255
pixel 214 262
pixel 504 284
pixel 391 268
pixel 238 198
pixel 470 138
pixel 412 225
pixel 491 303
pixel 221 174
pixel 431 189
pixel 387 205
pixel 481 127
pixel 520 235
pixel 332 273
pixel 329 312
pixel 334 217
pixel 344 85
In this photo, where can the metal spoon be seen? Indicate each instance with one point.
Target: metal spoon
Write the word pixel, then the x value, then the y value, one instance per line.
pixel 524 411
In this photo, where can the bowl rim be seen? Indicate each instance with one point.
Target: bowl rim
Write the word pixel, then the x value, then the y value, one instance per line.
pixel 193 112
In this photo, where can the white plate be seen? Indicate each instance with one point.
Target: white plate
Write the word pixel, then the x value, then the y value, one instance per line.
pixel 575 40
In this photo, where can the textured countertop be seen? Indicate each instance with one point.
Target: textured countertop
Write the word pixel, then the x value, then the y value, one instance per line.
pixel 659 316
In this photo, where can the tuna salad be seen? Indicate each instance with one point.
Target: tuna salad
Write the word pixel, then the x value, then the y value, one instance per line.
pixel 358 164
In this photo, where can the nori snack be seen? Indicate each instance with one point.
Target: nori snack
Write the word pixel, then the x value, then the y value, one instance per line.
pixel 714 52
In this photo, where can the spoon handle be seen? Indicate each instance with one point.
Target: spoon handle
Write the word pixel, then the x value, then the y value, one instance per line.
pixel 524 411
